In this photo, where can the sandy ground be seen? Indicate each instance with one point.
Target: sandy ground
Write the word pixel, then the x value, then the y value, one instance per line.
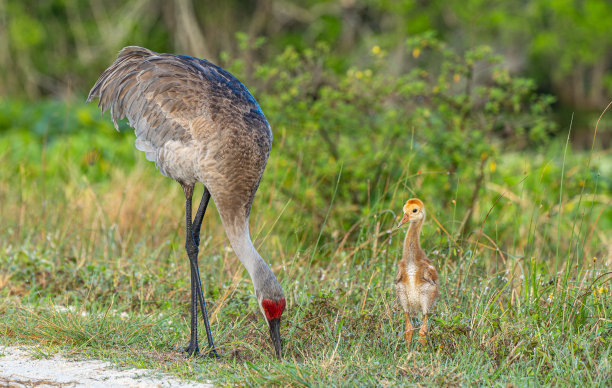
pixel 19 369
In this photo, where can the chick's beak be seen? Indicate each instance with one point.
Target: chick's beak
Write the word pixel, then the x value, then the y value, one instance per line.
pixel 274 325
pixel 405 219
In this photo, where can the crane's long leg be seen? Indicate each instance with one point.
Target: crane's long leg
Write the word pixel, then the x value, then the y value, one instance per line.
pixel 196 285
pixel 197 221
pixel 193 348
pixel 423 331
pixel 196 225
pixel 408 331
pixel 212 352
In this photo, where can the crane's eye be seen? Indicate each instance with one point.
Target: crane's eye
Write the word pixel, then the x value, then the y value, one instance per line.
pixel 414 210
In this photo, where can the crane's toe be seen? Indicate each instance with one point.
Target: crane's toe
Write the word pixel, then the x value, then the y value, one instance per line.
pixel 192 350
pixel 213 354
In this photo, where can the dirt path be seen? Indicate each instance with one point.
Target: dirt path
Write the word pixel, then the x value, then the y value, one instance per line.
pixel 19 369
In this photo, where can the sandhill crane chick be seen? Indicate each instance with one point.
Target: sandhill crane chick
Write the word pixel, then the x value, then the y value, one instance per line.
pixel 416 283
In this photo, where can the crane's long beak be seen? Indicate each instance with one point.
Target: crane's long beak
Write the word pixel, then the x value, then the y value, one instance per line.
pixel 405 219
pixel 275 335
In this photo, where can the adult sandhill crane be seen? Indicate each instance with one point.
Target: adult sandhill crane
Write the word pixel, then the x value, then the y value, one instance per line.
pixel 416 283
pixel 198 123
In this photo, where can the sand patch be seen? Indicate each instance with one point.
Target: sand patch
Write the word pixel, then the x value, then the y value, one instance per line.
pixel 19 369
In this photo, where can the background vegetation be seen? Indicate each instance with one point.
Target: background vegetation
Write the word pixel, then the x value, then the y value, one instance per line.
pixel 485 110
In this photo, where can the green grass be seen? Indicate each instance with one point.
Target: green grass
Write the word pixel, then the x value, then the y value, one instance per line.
pixel 92 264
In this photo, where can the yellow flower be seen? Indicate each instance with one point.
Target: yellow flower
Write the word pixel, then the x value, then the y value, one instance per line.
pixel 456 77
pixel 359 74
pixel 493 166
pixel 376 49
pixel 416 52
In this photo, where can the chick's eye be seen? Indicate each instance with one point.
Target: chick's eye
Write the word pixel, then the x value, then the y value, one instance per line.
pixel 414 210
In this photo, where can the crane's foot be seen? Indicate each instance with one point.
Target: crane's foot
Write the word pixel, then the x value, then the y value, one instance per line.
pixel 194 351
pixel 213 354
pixel 423 332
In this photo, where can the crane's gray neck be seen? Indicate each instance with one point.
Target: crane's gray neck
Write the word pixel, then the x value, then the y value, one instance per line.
pixel 412 241
pixel 264 281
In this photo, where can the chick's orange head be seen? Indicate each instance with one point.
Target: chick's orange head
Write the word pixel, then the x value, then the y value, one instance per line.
pixel 413 204
pixel 413 210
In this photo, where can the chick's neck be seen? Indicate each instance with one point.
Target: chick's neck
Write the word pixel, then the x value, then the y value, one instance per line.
pixel 412 241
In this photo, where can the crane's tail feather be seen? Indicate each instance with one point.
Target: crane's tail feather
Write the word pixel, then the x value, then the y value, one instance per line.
pixel 118 79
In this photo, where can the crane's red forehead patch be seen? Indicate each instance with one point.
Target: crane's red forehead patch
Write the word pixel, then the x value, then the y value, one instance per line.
pixel 273 308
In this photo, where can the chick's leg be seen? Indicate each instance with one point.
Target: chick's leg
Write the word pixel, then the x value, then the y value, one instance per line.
pixel 423 331
pixel 409 330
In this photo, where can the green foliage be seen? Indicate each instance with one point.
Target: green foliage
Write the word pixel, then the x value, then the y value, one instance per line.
pixel 59 47
pixel 34 137
pixel 54 47
pixel 563 48
pixel 373 128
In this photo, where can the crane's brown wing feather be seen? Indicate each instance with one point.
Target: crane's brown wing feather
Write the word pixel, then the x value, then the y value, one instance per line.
pixel 162 94
pixel 430 275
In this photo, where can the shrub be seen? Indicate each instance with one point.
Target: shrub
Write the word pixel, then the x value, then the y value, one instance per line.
pixel 443 122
